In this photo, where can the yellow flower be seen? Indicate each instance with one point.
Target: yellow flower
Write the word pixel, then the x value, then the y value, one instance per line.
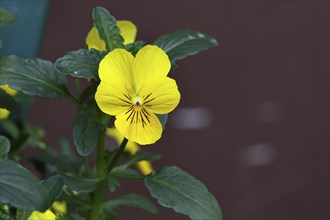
pixel 127 30
pixel 59 207
pixel 4 113
pixel 47 215
pixel 135 89
pixel 132 148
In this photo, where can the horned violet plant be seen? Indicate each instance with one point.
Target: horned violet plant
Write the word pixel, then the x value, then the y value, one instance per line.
pixel 127 80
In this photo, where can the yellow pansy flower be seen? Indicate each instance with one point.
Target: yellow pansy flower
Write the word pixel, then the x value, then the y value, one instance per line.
pixel 127 29
pixel 135 89
pixel 59 207
pixel 4 113
pixel 132 148
pixel 47 215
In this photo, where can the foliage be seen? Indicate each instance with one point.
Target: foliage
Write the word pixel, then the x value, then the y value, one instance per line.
pixel 66 176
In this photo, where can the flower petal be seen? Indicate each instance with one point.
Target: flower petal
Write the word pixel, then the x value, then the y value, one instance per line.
pixel 42 215
pixel 140 125
pixel 8 90
pixel 128 31
pixel 131 147
pixel 161 96
pixel 117 64
pixel 150 62
pixel 114 96
pixel 93 40
pixel 145 167
pixel 60 207
pixel 4 113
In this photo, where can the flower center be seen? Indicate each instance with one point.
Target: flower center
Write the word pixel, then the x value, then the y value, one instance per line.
pixel 137 101
pixel 138 114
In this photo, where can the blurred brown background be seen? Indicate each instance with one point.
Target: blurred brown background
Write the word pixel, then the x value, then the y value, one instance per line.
pixel 253 122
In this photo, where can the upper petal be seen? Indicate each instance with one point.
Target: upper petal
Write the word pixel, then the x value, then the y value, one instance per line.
pixel 150 62
pixel 93 40
pixel 117 64
pixel 161 96
pixel 128 31
pixel 114 96
pixel 141 126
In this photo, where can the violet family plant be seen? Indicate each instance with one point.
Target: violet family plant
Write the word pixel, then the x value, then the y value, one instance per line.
pixel 128 97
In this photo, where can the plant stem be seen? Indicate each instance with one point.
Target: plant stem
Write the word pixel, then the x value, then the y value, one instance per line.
pixel 76 102
pixel 77 84
pixel 100 162
pixel 101 168
pixel 117 155
pixel 98 195
pixel 131 177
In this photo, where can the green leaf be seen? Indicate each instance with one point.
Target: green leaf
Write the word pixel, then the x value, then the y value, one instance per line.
pixel 87 93
pixel 10 127
pixel 66 148
pixel 162 119
pixel 180 44
pixel 32 76
pixel 121 173
pixel 23 214
pixel 124 172
pixel 141 155
pixel 112 184
pixel 82 63
pixel 36 136
pixel 176 189
pixel 81 185
pixel 4 147
pixel 133 48
pixel 85 134
pixel 73 216
pixel 54 184
pixel 48 162
pixel 5 216
pixel 8 102
pixel 107 28
pixel 131 200
pixel 6 17
pixel 20 188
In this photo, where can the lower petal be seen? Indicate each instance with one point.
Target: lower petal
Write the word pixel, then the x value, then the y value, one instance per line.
pixel 139 125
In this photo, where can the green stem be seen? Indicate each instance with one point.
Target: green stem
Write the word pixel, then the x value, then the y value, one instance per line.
pixel 100 162
pixel 77 84
pixel 131 177
pixel 76 102
pixel 101 168
pixel 98 195
pixel 117 155
pixel 86 163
